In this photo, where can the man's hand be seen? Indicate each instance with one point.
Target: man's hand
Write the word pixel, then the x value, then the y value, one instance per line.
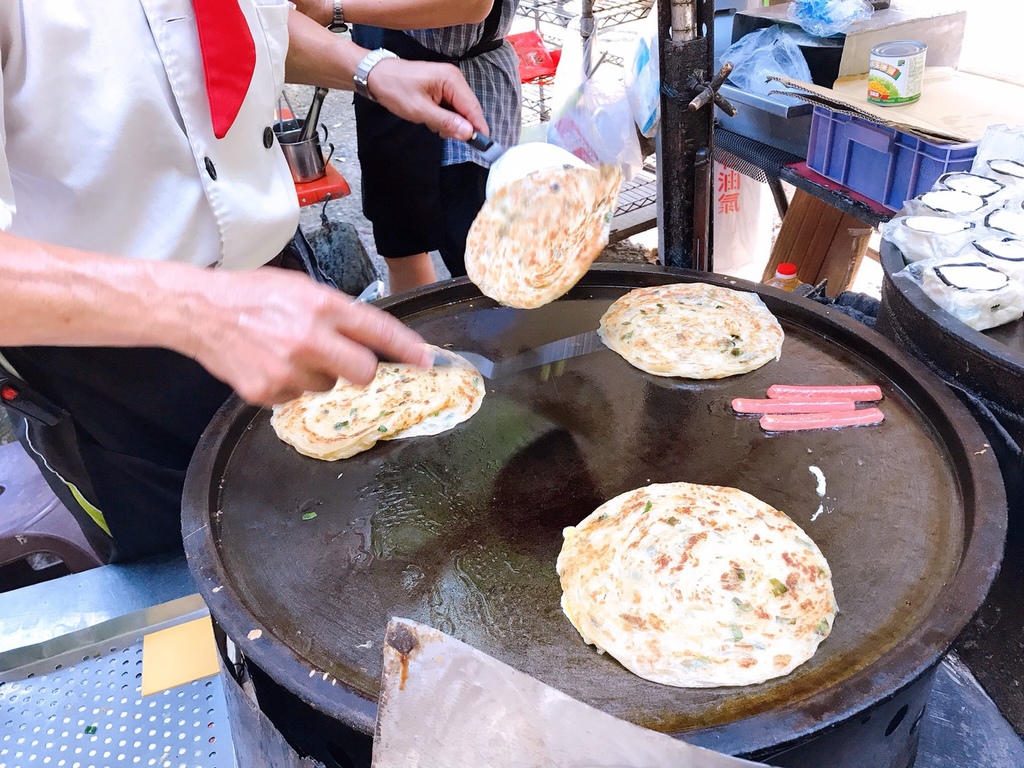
pixel 273 334
pixel 431 93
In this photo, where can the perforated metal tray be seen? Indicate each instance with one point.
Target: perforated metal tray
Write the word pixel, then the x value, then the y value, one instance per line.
pixel 82 707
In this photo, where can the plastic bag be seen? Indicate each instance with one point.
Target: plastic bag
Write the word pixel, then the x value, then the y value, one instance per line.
pixel 823 18
pixel 535 60
pixel 591 116
pixel 643 83
pixel 762 53
pixel 1000 155
pixel 928 237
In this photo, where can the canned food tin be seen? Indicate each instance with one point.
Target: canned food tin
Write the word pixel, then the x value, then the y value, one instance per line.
pixel 896 72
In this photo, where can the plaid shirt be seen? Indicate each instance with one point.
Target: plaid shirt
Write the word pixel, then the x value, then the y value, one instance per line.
pixel 493 76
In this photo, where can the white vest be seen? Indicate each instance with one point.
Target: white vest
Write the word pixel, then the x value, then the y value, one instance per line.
pixel 107 140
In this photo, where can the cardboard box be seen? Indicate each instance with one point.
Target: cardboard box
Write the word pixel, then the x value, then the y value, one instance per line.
pixel 941 30
pixel 954 107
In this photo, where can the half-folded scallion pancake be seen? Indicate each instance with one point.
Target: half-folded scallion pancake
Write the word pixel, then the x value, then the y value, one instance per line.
pixel 537 236
pixel 692 330
pixel 696 586
pixel 401 401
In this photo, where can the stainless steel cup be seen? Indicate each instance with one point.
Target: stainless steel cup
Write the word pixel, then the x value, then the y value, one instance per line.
pixel 305 158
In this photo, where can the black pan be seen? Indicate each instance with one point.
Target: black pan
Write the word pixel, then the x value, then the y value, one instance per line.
pixel 461 531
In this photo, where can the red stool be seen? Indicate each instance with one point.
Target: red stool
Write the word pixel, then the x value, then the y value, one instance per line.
pixel 32 520
pixel 331 186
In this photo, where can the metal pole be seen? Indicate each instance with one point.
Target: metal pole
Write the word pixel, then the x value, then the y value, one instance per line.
pixel 587 29
pixel 685 30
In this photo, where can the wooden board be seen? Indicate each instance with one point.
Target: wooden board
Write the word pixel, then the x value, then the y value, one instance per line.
pixel 823 242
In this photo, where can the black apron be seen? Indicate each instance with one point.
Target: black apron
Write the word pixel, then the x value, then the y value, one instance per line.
pixel 401 161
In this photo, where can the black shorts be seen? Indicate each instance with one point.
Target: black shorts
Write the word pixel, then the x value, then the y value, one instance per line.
pixel 413 202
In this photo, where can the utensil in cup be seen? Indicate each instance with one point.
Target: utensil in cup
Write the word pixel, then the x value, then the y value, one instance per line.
pixel 305 156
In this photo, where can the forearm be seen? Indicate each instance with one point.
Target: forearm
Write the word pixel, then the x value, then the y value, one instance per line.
pixel 316 56
pixel 269 333
pixel 61 296
pixel 435 94
pixel 400 14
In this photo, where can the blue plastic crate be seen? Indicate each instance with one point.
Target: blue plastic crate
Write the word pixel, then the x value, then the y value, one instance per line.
pixel 883 164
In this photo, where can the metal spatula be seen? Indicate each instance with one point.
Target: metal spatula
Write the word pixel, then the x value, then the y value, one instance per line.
pixel 561 349
pixel 511 163
pixel 538 724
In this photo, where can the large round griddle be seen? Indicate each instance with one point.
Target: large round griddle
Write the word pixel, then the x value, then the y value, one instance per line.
pixel 461 531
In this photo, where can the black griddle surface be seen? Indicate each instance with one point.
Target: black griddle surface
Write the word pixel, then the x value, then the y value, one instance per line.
pixel 461 531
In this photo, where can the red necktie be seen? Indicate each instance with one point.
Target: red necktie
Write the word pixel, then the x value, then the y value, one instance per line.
pixel 229 58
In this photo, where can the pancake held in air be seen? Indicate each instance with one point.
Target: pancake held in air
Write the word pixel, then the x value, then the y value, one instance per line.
pixel 401 401
pixel 696 586
pixel 692 330
pixel 537 236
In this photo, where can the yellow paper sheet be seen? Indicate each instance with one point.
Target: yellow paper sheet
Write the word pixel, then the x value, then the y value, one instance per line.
pixel 954 106
pixel 178 655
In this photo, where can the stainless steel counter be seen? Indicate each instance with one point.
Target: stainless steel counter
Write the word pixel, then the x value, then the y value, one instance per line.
pixel 42 612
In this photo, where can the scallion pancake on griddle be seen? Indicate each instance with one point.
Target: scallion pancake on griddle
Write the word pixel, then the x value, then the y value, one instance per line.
pixel 401 401
pixel 537 236
pixel 692 330
pixel 696 586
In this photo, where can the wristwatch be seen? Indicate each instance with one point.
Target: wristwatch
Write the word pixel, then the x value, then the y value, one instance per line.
pixel 370 60
pixel 338 19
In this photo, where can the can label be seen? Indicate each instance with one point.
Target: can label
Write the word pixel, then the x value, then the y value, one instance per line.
pixel 896 72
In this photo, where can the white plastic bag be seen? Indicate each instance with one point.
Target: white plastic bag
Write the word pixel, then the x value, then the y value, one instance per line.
pixel 823 18
pixel 643 83
pixel 763 53
pixel 928 237
pixel 591 116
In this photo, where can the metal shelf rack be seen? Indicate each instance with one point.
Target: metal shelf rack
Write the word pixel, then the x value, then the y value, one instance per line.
pixel 638 198
pixel 607 13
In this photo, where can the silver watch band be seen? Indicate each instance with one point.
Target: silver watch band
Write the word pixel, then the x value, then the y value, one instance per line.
pixel 370 60
pixel 338 19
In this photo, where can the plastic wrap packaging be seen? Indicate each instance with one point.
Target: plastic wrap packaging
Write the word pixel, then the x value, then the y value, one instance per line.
pixel 973 184
pixel 824 18
pixel 1007 220
pixel 1007 172
pixel 928 237
pixel 1000 142
pixel 1004 253
pixel 770 51
pixel 948 203
pixel 971 290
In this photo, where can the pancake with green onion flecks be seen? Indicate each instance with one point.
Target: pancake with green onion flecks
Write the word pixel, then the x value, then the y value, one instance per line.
pixel 692 330
pixel 401 401
pixel 696 586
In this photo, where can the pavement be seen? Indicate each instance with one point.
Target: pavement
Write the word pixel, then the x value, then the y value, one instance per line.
pixel 338 116
pixel 6 433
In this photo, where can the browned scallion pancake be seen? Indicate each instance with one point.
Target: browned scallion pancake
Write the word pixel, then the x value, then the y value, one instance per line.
pixel 537 236
pixel 692 330
pixel 696 586
pixel 401 401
